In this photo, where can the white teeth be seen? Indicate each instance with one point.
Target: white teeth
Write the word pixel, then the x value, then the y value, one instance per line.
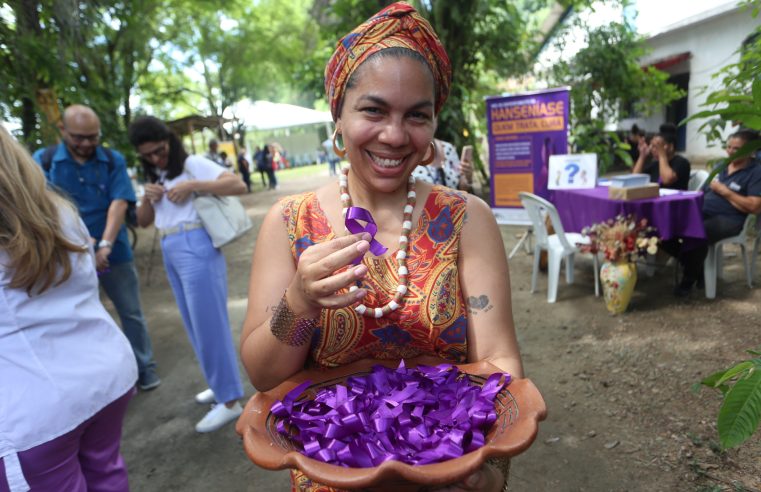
pixel 386 162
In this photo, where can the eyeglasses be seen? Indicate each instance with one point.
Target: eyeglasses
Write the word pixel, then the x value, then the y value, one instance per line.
pixel 77 138
pixel 159 151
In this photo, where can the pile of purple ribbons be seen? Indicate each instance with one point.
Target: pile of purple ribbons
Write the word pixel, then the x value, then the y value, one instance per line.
pixel 416 416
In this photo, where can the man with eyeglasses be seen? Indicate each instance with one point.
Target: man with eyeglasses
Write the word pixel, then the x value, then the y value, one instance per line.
pixel 96 180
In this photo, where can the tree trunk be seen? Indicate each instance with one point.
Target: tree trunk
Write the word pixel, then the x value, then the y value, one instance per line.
pixel 28 119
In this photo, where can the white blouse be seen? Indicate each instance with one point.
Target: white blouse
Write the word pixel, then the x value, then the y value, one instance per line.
pixel 450 166
pixel 62 356
pixel 170 214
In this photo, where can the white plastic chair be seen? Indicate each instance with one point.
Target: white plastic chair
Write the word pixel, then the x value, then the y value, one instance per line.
pixel 713 264
pixel 559 246
pixel 697 179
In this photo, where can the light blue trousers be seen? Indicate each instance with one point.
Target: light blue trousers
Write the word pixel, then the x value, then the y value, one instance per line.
pixel 198 275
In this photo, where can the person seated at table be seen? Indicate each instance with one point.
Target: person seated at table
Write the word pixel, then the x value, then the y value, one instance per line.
pixel 444 292
pixel 635 136
pixel 665 167
pixel 446 168
pixel 728 199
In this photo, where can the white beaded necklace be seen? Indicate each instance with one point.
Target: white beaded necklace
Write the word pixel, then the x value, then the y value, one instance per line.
pixel 401 255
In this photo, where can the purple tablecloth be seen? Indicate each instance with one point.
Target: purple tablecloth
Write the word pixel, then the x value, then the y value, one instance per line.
pixel 675 216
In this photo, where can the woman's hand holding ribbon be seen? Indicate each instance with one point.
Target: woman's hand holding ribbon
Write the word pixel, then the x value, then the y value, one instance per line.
pixel 317 279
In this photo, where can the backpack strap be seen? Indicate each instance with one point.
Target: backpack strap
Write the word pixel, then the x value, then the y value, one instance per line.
pixel 47 158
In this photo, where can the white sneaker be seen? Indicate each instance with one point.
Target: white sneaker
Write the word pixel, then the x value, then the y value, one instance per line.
pixel 218 416
pixel 205 397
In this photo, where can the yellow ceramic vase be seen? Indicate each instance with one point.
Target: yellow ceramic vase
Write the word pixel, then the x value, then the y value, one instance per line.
pixel 618 280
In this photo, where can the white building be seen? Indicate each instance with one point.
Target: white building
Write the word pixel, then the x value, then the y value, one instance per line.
pixel 689 39
pixel 692 50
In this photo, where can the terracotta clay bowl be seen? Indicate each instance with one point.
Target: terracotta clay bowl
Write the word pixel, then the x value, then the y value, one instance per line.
pixel 519 407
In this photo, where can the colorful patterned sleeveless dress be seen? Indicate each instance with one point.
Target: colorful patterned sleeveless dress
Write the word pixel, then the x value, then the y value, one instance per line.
pixel 432 319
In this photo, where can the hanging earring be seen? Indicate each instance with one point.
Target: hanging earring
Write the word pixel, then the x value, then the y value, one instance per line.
pixel 429 160
pixel 339 152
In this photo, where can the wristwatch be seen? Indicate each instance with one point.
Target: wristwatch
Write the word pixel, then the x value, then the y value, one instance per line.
pixel 104 243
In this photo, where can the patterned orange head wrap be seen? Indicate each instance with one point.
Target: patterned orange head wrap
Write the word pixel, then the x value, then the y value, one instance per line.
pixel 398 25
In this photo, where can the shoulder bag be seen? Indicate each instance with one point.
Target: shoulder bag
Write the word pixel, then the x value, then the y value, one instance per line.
pixel 223 217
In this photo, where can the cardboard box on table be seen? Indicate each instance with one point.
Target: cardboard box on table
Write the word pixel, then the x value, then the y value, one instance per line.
pixel 649 190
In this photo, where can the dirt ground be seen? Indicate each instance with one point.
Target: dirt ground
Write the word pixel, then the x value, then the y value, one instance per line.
pixel 622 416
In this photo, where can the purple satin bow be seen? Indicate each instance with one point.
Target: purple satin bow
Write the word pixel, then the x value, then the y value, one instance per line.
pixel 417 416
pixel 353 214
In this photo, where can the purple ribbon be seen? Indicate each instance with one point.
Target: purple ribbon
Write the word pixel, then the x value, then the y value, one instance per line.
pixel 354 214
pixel 416 416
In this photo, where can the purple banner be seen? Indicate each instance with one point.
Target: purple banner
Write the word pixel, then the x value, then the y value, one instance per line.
pixel 524 131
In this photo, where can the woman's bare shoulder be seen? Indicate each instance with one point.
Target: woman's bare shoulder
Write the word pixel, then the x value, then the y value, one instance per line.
pixel 479 211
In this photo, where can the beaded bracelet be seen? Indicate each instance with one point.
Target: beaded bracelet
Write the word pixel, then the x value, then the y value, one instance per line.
pixel 289 329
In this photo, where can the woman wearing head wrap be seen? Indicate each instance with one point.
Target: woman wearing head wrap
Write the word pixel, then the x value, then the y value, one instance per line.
pixel 309 304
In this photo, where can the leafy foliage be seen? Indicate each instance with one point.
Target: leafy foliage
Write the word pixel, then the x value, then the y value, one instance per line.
pixel 241 51
pixel 167 57
pixel 174 57
pixel 486 41
pixel 603 76
pixel 738 101
pixel 74 52
pixel 740 411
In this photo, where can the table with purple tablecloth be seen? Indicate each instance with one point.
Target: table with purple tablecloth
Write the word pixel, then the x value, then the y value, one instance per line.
pixel 676 215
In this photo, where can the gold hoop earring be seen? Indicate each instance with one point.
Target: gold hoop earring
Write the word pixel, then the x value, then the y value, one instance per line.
pixel 429 160
pixel 339 152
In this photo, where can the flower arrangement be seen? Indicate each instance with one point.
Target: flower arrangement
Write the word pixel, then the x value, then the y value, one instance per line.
pixel 622 238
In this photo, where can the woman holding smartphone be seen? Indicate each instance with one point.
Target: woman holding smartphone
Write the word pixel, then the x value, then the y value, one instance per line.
pixel 447 169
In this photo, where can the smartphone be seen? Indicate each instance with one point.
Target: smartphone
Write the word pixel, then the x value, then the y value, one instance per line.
pixel 467 153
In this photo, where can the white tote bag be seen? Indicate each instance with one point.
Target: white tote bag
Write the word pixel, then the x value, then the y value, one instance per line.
pixel 223 217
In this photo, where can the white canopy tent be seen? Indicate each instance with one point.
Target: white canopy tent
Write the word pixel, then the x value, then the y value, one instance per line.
pixel 265 115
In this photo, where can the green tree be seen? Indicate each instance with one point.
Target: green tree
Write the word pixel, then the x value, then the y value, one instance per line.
pixel 26 47
pixel 604 76
pixel 58 52
pixel 242 51
pixel 168 57
pixel 738 100
pixel 486 42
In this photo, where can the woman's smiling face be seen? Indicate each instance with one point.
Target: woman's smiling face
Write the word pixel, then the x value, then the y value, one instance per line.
pixel 387 120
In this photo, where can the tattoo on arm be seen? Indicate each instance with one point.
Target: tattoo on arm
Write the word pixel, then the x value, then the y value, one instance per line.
pixel 480 304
